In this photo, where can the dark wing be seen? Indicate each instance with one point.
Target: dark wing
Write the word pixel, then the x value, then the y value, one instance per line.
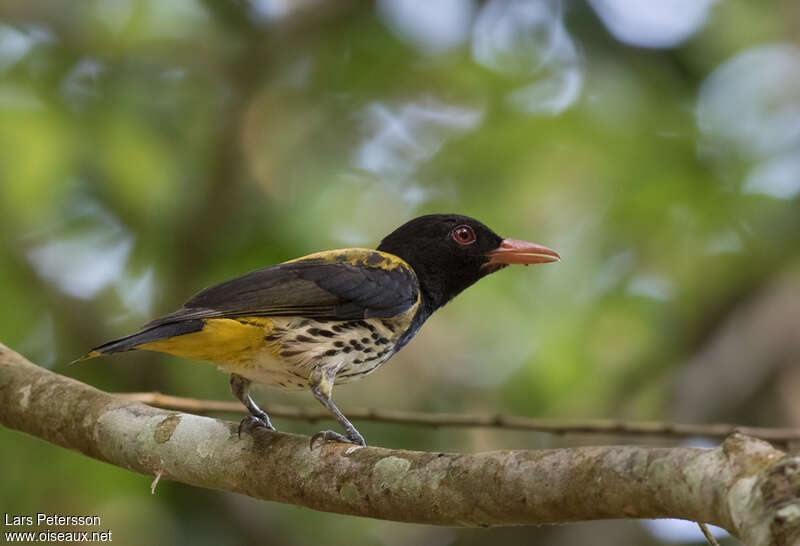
pixel 335 285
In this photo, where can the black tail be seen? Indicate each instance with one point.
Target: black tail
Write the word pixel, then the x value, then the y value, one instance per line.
pixel 128 343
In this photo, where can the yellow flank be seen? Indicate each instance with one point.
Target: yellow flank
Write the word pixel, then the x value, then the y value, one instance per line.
pixel 365 257
pixel 221 340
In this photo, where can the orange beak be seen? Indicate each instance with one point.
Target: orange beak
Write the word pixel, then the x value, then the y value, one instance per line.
pixel 514 251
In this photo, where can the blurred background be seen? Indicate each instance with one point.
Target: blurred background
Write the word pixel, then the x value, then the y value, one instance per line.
pixel 149 149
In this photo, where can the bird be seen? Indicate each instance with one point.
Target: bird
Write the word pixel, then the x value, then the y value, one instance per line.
pixel 330 317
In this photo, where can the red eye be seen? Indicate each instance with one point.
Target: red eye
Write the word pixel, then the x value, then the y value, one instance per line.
pixel 463 235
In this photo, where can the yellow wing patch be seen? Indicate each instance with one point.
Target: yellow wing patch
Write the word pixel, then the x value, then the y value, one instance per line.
pixel 221 340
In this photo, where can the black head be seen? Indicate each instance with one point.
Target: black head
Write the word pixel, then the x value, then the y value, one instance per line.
pixel 449 252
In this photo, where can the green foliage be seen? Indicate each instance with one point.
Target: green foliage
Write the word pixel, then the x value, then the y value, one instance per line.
pixel 150 149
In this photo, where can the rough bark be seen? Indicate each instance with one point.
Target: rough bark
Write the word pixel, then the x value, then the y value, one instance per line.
pixel 744 485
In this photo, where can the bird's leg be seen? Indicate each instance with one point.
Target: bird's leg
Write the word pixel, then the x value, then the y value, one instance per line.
pixel 240 387
pixel 321 382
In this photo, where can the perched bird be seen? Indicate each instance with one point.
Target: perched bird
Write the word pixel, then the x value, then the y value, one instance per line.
pixel 330 317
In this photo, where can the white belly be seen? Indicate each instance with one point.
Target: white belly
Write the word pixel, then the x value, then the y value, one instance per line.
pixel 296 347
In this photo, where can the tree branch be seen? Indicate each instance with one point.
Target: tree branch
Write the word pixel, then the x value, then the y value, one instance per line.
pixel 435 420
pixel 744 485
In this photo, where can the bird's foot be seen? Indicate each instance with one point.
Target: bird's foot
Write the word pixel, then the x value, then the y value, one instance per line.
pixel 253 421
pixel 328 436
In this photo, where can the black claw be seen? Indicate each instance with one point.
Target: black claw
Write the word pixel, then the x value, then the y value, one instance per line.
pixel 252 421
pixel 240 388
pixel 329 436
